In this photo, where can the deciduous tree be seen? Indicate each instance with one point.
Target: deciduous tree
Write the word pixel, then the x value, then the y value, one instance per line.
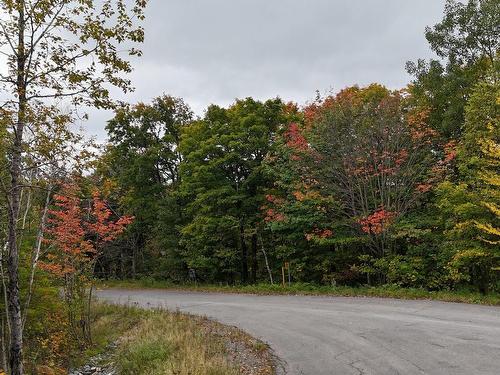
pixel 55 49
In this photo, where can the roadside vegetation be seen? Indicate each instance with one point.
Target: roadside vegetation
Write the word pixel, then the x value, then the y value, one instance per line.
pixel 133 341
pixel 383 291
pixel 162 342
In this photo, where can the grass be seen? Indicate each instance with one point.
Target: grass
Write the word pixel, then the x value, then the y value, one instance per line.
pixel 171 343
pixel 158 342
pixel 386 291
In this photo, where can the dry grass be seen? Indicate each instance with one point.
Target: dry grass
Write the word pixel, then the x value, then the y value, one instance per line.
pixel 171 344
pixel 158 342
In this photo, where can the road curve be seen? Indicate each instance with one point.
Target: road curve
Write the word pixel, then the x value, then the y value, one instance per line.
pixel 359 336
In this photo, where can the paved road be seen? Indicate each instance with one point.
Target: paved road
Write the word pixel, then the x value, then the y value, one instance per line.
pixel 359 336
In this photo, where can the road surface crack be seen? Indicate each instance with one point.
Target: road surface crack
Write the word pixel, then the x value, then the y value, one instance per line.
pixel 358 369
pixel 336 356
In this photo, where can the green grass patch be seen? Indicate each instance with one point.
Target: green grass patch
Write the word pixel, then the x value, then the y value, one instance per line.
pixel 385 291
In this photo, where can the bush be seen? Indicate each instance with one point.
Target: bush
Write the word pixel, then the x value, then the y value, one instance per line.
pixel 473 266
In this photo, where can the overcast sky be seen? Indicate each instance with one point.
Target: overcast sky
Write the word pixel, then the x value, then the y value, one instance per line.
pixel 213 51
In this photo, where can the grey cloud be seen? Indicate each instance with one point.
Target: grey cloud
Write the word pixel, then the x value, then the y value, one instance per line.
pixel 213 51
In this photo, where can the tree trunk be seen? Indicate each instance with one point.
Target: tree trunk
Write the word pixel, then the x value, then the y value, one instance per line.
pixel 36 255
pixel 122 264
pixel 244 256
pixel 266 261
pixel 16 334
pixel 133 266
pixel 5 325
pixel 254 258
pixel 4 349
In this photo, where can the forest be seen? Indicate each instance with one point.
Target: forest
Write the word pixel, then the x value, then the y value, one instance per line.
pixel 365 186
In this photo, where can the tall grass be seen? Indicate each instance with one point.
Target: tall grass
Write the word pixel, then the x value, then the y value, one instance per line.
pixel 171 344
pixel 158 342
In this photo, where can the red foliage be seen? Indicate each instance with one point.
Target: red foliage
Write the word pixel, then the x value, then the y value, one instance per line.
pixel 295 139
pixel 450 152
pixel 105 229
pixel 377 222
pixel 310 114
pixel 420 130
pixel 78 236
pixel 67 233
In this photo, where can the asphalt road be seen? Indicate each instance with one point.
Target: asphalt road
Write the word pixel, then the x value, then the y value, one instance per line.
pixel 360 336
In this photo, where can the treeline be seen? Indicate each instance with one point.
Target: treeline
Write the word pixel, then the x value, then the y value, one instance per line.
pixel 367 186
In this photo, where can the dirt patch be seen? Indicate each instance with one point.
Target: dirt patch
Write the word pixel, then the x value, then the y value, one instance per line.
pixel 248 354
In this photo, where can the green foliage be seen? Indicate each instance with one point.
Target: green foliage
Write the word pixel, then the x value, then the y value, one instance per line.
pixel 140 171
pixel 467 40
pixel 366 192
pixel 224 182
pixel 468 31
pixel 468 204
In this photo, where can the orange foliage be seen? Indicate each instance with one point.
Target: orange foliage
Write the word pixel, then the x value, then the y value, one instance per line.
pixel 67 234
pixel 272 215
pixel 377 222
pixel 105 229
pixel 424 188
pixel 450 151
pixel 299 196
pixel 78 236
pixel 418 121
pixel 295 139
pixel 319 233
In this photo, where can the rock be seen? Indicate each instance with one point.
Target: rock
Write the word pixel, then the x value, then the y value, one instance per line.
pixel 95 366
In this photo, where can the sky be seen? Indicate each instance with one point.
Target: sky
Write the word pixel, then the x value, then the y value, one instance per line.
pixel 214 51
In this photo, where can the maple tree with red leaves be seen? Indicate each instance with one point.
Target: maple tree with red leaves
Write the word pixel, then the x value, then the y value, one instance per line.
pixel 67 235
pixel 295 139
pixel 75 240
pixel 77 235
pixel 377 222
pixel 375 156
pixel 104 229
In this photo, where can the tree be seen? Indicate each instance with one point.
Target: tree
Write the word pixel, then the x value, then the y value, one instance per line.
pixel 223 179
pixel 55 49
pixel 467 33
pixel 77 235
pixel 467 42
pixel 470 202
pixel 300 222
pixel 371 152
pixel 141 167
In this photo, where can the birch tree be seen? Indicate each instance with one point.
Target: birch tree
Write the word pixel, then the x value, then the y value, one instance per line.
pixel 57 52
